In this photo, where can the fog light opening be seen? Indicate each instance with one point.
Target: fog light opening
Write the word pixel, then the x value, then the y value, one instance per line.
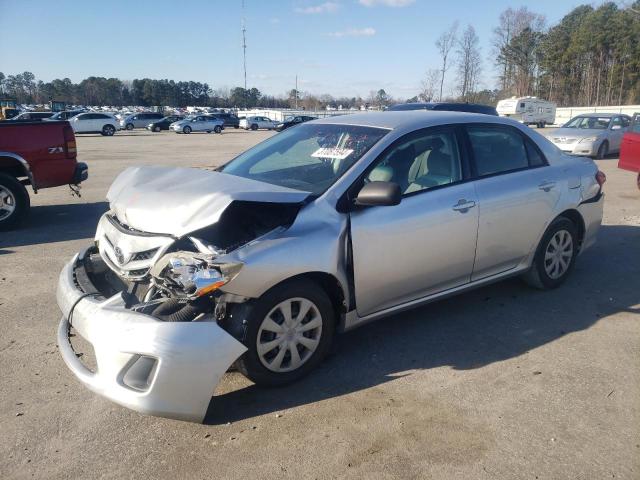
pixel 138 374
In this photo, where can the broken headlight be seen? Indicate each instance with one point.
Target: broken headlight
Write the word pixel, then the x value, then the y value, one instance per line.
pixel 192 274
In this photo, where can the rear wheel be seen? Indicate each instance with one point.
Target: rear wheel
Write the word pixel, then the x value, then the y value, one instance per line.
pixel 254 127
pixel 555 255
pixel 218 129
pixel 14 202
pixel 603 150
pixel 287 333
pixel 108 130
pixel 186 129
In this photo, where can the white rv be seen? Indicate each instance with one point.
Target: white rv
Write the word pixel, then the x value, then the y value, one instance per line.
pixel 528 110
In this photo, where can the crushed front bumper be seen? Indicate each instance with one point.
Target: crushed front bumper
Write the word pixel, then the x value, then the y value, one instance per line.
pixel 168 369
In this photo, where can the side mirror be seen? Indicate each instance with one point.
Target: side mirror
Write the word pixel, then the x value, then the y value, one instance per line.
pixel 382 194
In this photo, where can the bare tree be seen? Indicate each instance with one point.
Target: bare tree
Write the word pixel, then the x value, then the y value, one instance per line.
pixel 444 44
pixel 511 24
pixel 429 85
pixel 468 60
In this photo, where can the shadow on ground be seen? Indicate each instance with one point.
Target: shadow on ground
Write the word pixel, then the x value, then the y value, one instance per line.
pixel 488 325
pixel 55 223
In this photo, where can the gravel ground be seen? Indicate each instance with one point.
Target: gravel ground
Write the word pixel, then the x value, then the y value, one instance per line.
pixel 503 382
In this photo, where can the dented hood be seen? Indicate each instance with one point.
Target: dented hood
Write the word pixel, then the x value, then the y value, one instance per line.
pixel 178 201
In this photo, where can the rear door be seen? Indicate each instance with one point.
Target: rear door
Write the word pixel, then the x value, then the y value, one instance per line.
pixel 517 193
pixel 426 244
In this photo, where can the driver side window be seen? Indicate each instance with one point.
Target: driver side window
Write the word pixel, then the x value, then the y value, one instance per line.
pixel 420 161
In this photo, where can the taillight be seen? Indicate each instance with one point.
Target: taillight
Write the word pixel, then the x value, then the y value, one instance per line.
pixel 601 178
pixel 69 141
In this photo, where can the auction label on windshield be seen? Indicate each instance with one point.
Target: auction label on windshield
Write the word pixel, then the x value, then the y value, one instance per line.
pixel 334 153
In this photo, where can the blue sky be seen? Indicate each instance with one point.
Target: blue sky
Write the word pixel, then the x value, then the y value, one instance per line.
pixel 342 47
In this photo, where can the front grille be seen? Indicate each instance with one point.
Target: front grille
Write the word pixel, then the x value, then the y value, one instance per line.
pixel 564 140
pixel 146 255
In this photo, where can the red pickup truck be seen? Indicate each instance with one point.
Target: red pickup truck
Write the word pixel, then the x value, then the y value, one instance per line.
pixel 39 153
pixel 630 148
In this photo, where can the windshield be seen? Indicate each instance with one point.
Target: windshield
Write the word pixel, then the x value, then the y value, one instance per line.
pixel 589 123
pixel 310 157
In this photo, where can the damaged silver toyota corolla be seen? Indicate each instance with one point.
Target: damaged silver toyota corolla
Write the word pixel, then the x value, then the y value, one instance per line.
pixel 319 229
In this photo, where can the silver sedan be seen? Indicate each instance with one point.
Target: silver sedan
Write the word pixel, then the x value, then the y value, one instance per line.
pixel 318 230
pixel 593 134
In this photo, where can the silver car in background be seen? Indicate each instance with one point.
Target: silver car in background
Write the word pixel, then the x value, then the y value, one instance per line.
pixel 592 134
pixel 198 123
pixel 317 230
pixel 139 120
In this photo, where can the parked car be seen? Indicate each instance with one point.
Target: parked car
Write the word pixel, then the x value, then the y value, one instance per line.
pixel 321 228
pixel 630 149
pixel 444 106
pixel 229 119
pixel 40 154
pixel 93 122
pixel 140 120
pixel 26 116
pixel 198 123
pixel 65 115
pixel 297 120
pixel 592 134
pixel 164 123
pixel 254 123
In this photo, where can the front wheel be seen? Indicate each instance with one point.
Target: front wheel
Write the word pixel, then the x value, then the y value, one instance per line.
pixel 218 129
pixel 603 150
pixel 108 130
pixel 129 126
pixel 14 202
pixel 254 127
pixel 287 332
pixel 186 129
pixel 555 256
pixel 156 129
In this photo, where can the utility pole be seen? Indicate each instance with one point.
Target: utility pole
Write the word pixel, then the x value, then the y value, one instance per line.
pixel 244 54
pixel 296 91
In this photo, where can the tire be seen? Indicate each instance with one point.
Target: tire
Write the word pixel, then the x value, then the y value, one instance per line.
pixel 129 126
pixel 108 130
pixel 208 131
pixel 218 129
pixel 186 129
pixel 253 328
pixel 236 126
pixel 542 274
pixel 543 124
pixel 603 150
pixel 254 127
pixel 14 202
pixel 156 129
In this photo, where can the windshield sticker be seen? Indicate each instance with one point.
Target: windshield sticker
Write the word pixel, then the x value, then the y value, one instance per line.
pixel 333 153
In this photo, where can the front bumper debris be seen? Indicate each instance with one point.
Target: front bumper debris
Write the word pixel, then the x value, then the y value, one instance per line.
pixel 168 369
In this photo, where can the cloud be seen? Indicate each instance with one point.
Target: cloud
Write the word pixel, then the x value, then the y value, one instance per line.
pixel 386 3
pixel 354 32
pixel 326 7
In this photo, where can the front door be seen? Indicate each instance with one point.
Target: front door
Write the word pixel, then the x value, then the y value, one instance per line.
pixel 426 244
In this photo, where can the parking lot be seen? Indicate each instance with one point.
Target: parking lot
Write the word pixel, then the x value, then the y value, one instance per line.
pixel 502 382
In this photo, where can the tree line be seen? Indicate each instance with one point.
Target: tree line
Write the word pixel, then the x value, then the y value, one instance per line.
pixel 591 57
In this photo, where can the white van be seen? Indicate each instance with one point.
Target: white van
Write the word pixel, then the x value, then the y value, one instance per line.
pixel 528 110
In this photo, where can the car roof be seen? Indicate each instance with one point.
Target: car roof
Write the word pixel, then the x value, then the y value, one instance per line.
pixel 601 115
pixel 410 119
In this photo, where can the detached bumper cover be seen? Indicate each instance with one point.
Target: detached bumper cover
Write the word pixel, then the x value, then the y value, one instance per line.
pixel 188 358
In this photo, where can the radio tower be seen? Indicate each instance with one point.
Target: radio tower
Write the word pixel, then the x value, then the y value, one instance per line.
pixel 244 54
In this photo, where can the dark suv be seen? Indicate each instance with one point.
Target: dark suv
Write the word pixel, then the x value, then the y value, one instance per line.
pixel 449 106
pixel 229 119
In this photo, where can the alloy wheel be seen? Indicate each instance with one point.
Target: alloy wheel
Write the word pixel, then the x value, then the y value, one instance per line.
pixel 7 203
pixel 289 335
pixel 558 255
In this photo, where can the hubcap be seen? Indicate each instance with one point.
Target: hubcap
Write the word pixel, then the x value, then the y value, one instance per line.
pixel 289 335
pixel 7 203
pixel 558 255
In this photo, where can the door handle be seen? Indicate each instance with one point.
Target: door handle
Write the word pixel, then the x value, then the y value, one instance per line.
pixel 463 205
pixel 546 186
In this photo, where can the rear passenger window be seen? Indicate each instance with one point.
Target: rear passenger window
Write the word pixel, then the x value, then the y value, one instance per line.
pixel 535 157
pixel 497 150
